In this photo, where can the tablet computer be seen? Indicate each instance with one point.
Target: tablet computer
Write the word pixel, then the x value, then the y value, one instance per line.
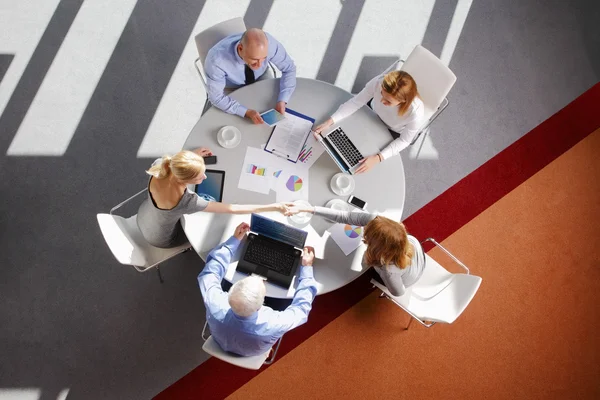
pixel 211 189
pixel 272 117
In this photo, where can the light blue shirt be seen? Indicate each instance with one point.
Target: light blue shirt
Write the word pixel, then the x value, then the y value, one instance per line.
pixel 248 336
pixel 225 68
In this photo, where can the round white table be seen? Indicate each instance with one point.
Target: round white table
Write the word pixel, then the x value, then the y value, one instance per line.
pixel 383 187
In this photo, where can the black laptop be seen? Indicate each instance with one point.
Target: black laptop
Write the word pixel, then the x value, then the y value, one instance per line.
pixel 272 250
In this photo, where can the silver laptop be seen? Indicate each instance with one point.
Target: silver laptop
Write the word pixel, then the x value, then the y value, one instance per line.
pixel 343 150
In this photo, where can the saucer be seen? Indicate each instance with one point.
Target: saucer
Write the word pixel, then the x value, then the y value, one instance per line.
pixel 236 140
pixel 337 190
pixel 301 218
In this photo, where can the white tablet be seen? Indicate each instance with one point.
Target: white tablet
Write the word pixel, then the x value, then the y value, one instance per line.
pixel 272 117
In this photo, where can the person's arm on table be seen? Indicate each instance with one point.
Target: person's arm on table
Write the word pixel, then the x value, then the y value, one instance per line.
pixel 286 65
pixel 297 313
pixel 224 208
pixel 359 218
pixel 352 105
pixel 202 151
pixel 368 163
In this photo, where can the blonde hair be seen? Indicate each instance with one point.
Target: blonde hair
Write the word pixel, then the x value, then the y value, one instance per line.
pixel 185 165
pixel 387 243
pixel 403 87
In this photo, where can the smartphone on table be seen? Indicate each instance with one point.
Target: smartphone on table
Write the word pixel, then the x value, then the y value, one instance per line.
pixel 210 160
pixel 358 203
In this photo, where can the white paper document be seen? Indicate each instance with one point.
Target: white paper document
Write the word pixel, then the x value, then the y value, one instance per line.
pixel 256 171
pixel 289 136
pixel 291 184
pixel 347 237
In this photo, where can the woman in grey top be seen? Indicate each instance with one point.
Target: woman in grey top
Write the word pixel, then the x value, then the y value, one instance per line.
pixel 169 198
pixel 397 257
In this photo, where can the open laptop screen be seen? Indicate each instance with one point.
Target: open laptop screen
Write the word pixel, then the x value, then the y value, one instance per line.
pixel 278 231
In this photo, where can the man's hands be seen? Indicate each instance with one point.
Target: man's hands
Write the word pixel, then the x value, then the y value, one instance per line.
pixel 202 151
pixel 254 116
pixel 308 256
pixel 241 230
pixel 323 126
pixel 368 163
pixel 280 107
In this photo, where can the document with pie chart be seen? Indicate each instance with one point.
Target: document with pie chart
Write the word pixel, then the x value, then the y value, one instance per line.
pixel 347 237
pixel 291 184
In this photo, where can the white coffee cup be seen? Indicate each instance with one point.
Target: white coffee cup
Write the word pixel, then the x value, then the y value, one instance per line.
pixel 228 136
pixel 343 182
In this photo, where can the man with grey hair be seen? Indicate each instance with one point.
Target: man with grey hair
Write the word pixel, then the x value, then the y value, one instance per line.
pixel 241 59
pixel 238 321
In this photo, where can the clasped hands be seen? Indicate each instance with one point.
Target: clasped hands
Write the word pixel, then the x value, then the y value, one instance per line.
pixel 308 255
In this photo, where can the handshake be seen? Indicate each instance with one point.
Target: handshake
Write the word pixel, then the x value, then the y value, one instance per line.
pixel 289 208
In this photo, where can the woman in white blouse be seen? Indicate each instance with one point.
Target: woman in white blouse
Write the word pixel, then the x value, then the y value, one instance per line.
pixel 396 101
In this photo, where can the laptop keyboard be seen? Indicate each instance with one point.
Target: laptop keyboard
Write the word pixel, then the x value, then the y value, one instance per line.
pixel 345 146
pixel 262 253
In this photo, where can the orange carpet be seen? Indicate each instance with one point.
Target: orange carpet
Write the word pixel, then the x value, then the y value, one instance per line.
pixel 531 331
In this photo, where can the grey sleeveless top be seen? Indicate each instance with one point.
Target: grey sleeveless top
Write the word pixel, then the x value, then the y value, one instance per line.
pixel 162 228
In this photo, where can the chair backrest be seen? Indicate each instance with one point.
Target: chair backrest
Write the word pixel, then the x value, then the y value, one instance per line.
pixel 250 362
pixel 449 304
pixel 206 39
pixel 123 238
pixel 434 79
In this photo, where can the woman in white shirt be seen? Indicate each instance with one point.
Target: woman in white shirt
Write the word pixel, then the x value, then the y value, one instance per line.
pixel 396 101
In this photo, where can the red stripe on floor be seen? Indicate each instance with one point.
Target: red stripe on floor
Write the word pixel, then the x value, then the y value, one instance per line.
pixel 444 215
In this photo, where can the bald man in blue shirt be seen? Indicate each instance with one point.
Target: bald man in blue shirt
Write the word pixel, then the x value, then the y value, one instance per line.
pixel 241 59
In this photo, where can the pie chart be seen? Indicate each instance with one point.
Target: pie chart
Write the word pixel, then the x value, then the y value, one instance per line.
pixel 352 231
pixel 294 183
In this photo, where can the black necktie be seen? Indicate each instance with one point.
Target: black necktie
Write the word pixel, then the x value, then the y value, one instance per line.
pixel 249 74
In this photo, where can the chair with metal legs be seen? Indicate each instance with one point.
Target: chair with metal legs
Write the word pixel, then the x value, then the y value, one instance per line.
pixel 434 81
pixel 127 244
pixel 205 41
pixel 249 362
pixel 438 296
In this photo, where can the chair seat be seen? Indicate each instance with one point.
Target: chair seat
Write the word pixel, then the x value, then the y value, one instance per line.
pixel 129 246
pixel 249 362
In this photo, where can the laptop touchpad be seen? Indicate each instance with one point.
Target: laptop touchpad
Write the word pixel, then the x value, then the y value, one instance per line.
pixel 262 271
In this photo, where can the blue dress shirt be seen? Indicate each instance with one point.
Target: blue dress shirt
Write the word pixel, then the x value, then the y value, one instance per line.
pixel 253 335
pixel 225 68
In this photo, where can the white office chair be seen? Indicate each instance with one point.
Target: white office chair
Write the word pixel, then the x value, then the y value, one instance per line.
pixel 205 41
pixel 434 81
pixel 249 362
pixel 438 296
pixel 127 244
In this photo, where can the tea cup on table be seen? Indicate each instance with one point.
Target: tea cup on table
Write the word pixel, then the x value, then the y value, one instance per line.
pixel 228 136
pixel 343 182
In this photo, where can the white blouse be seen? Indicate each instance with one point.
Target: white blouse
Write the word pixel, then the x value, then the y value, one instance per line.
pixel 406 125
